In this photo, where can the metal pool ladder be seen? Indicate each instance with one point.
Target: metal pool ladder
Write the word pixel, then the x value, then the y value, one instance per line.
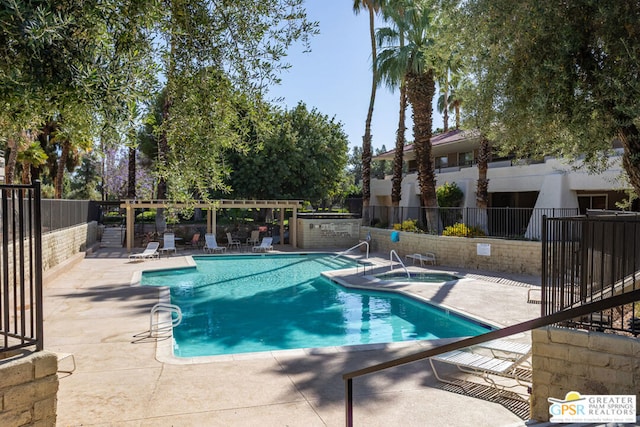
pixel 163 325
pixel 391 254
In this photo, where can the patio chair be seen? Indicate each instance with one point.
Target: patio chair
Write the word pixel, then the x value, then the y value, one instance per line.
pixel 254 239
pixel 151 251
pixel 211 245
pixel 169 243
pixel 233 243
pixel 264 246
pixel 195 241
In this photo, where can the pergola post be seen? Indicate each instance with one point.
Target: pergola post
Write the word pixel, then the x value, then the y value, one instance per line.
pixel 130 225
pixel 293 231
pixel 282 226
pixel 209 220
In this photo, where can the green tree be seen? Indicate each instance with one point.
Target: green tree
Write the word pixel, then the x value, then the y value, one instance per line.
pixel 372 7
pixel 218 59
pixel 302 159
pixel 564 74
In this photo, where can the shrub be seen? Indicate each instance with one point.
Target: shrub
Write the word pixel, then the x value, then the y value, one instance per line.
pixel 449 195
pixel 461 230
pixel 407 225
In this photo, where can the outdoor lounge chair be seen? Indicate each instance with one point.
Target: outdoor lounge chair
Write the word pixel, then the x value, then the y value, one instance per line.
pixel 427 257
pixel 169 243
pixel 211 245
pixel 151 251
pixel 233 243
pixel 507 360
pixel 264 246
pixel 254 239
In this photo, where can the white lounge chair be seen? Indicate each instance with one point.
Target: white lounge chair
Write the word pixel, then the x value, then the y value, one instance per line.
pixel 211 245
pixel 169 243
pixel 232 243
pixel 427 257
pixel 264 246
pixel 512 362
pixel 151 251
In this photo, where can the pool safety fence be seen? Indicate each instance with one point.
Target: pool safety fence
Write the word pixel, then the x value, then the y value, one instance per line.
pixel 21 315
pixel 589 258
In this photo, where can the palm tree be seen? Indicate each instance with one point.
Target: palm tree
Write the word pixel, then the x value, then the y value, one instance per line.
pixel 32 155
pixel 393 12
pixel 417 25
pixel 372 6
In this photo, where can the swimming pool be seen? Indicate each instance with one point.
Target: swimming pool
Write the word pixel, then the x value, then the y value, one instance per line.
pixel 254 303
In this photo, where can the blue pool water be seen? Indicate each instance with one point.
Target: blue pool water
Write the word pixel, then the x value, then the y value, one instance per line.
pixel 430 277
pixel 247 303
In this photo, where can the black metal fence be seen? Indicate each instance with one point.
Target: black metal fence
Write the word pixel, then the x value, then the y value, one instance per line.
pixel 590 258
pixel 21 267
pixel 58 214
pixel 511 223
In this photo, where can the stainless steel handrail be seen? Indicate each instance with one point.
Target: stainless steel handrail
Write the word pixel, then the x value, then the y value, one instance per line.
pixel 352 248
pixel 393 251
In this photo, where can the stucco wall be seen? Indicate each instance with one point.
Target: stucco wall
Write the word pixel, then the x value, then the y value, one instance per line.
pixel 28 388
pixel 513 256
pixel 586 362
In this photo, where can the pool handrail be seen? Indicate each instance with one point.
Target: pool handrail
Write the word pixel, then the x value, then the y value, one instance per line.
pixel 393 252
pixel 163 326
pixel 364 242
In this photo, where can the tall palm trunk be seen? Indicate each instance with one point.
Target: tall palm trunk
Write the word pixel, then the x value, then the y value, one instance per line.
pixel 482 192
pixel 420 91
pixel 396 186
pixel 366 139
pixel 445 110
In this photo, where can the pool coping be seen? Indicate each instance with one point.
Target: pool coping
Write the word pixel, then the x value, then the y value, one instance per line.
pixel 343 277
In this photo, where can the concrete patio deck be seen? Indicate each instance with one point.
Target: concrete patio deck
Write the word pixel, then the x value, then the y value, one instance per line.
pixel 92 311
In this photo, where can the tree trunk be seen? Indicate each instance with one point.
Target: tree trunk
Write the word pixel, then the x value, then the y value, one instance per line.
pixel 131 181
pixel 445 102
pixel 420 91
pixel 630 138
pixel 366 139
pixel 482 192
pixel 396 187
pixel 62 161
pixel 10 170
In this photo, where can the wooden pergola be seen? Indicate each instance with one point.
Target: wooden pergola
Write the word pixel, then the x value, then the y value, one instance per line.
pixel 131 205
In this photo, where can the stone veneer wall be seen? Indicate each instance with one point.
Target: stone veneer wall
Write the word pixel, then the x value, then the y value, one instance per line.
pixel 28 389
pixel 587 362
pixel 513 256
pixel 60 245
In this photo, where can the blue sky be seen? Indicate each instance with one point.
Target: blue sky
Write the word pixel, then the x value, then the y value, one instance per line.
pixel 335 77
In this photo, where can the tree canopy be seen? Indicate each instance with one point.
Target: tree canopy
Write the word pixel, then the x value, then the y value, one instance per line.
pixel 302 158
pixel 558 78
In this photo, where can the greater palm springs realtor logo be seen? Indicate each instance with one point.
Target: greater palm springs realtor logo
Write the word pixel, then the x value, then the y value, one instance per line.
pixel 593 408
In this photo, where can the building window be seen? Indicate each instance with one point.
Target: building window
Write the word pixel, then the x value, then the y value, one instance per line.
pixel 442 162
pixel 465 159
pixel 592 201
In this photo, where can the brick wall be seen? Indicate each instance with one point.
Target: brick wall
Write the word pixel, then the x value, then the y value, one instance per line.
pixel 513 256
pixel 28 388
pixel 587 362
